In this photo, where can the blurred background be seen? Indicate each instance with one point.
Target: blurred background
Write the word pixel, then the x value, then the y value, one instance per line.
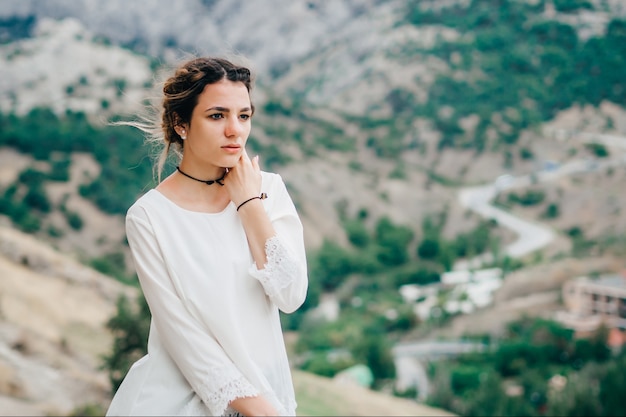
pixel 459 167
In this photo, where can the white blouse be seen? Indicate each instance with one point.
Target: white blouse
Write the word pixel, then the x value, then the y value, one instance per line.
pixel 215 333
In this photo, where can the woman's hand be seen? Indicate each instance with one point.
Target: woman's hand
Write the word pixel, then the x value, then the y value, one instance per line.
pixel 254 406
pixel 243 183
pixel 244 179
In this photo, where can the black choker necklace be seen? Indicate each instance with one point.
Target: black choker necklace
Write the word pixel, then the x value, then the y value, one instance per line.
pixel 207 182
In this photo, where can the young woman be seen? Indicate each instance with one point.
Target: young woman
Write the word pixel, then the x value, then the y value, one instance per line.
pixel 218 248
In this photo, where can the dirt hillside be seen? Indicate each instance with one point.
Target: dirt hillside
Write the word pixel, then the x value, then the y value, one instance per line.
pixel 53 312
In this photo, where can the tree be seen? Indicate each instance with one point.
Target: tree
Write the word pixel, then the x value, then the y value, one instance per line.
pixel 37 199
pixel 552 211
pixel 130 327
pixel 393 242
pixel 579 397
pixel 613 388
pixel 332 265
pixel 428 248
pixel 375 350
pixel 357 233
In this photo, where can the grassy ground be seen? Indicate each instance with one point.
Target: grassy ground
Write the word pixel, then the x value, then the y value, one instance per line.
pixel 318 396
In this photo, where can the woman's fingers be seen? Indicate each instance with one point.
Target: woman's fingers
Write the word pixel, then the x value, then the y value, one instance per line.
pixel 244 179
pixel 254 161
pixel 244 156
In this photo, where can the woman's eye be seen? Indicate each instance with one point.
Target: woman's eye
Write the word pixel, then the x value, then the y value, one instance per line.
pixel 245 116
pixel 216 116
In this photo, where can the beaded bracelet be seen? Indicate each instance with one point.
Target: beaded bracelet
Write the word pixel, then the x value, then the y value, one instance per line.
pixel 263 196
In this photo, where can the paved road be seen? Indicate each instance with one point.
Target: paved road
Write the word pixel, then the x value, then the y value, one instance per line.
pixel 532 236
pixel 409 359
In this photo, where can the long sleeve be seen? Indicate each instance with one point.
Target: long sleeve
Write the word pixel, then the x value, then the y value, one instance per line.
pixel 202 361
pixel 284 276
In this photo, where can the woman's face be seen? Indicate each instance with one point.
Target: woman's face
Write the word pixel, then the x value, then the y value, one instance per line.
pixel 219 127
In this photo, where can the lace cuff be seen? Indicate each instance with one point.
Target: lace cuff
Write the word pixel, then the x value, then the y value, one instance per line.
pixel 279 270
pixel 223 385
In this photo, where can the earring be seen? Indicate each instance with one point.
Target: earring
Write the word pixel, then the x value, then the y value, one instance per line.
pixel 183 136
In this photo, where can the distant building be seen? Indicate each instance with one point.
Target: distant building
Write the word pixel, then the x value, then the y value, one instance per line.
pixel 476 286
pixel 592 302
pixel 358 374
pixel 469 290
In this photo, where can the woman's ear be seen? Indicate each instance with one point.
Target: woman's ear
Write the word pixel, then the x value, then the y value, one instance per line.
pixel 176 121
pixel 180 130
pixel 179 126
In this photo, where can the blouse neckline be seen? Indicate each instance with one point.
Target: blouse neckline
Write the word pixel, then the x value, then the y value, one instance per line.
pixel 178 207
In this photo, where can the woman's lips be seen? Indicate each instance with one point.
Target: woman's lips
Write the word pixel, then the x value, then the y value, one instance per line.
pixel 231 148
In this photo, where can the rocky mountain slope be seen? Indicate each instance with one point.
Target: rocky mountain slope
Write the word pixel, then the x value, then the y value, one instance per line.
pixel 72 70
pixel 272 33
pixel 53 313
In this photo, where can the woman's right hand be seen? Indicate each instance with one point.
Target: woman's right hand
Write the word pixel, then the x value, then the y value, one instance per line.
pixel 244 179
pixel 254 406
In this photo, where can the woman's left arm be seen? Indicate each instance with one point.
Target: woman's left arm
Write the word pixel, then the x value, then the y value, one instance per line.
pixel 277 244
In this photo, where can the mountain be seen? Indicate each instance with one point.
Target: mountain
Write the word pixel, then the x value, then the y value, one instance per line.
pixel 284 31
pixel 327 67
pixel 366 108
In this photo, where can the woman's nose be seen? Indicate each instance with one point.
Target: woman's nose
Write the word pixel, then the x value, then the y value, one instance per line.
pixel 233 127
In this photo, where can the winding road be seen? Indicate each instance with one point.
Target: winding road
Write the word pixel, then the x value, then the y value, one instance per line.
pixel 531 236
